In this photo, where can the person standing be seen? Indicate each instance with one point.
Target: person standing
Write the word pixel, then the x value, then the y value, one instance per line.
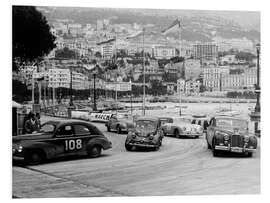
pixel 31 124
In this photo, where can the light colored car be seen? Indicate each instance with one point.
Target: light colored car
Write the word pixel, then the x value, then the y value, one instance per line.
pixel 181 127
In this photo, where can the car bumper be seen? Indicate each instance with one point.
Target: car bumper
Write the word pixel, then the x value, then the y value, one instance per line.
pixel 143 145
pixel 235 149
pixel 191 135
pixel 17 158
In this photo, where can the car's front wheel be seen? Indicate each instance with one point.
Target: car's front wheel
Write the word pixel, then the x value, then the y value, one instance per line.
pixel 249 154
pixel 118 129
pixel 108 128
pixel 95 151
pixel 176 133
pixel 128 147
pixel 34 157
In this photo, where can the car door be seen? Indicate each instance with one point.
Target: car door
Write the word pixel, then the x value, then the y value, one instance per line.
pixel 82 136
pixel 66 141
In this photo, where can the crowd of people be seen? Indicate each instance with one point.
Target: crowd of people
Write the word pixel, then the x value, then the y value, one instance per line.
pixel 31 123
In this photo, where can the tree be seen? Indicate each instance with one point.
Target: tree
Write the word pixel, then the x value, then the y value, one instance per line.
pixel 65 53
pixel 98 54
pixel 31 36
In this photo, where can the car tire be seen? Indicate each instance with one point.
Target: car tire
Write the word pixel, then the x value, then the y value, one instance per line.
pixel 208 146
pixel 176 133
pixel 157 148
pixel 108 128
pixel 249 154
pixel 128 147
pixel 164 133
pixel 95 151
pixel 215 152
pixel 118 129
pixel 34 157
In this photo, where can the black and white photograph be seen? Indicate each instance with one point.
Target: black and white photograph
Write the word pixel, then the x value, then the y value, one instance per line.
pixel 134 102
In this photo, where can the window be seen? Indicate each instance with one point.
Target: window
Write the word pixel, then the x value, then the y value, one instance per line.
pixel 81 130
pixel 47 128
pixel 64 131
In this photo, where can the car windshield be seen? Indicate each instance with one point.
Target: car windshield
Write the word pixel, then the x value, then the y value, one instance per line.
pixel 165 120
pixel 181 120
pixel 231 123
pixel 47 128
pixel 123 116
pixel 146 124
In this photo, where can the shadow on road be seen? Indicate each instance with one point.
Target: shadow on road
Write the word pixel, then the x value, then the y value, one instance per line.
pixel 21 163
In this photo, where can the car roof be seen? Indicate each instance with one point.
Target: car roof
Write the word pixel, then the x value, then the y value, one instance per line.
pixel 148 118
pixel 229 117
pixel 67 121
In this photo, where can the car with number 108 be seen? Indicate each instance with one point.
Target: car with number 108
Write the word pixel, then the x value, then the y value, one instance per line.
pixel 59 139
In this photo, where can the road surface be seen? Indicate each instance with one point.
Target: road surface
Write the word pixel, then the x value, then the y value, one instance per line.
pixel 180 167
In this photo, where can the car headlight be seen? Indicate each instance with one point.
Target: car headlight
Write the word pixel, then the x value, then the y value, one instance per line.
pixel 184 129
pixel 20 148
pixel 226 137
pixel 133 135
pixel 151 137
pixel 246 138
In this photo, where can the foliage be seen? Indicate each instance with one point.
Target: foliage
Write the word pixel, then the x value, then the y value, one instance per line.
pixel 169 77
pixel 66 53
pixel 245 94
pixel 31 36
pixel 20 93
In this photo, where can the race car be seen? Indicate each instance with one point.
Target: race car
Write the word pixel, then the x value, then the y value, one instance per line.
pixel 59 139
pixel 181 127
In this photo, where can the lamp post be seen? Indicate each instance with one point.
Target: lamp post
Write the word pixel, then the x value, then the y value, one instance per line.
pixel 94 76
pixel 256 114
pixel 257 89
pixel 70 90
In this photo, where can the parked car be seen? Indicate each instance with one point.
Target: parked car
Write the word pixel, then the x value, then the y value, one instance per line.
pixel 58 139
pixel 201 120
pixel 230 134
pixel 146 133
pixel 119 123
pixel 181 127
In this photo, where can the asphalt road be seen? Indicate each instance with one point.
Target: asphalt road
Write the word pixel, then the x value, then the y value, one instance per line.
pixel 180 167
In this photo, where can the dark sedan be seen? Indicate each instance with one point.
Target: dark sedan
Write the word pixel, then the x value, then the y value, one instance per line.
pixel 146 133
pixel 58 139
pixel 230 134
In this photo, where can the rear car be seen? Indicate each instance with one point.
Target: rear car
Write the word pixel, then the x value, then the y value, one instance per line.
pixel 119 123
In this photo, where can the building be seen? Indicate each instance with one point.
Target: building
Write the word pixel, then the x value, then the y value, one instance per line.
pixel 240 81
pixel 192 87
pixel 192 69
pixel 120 86
pixel 107 50
pixel 211 77
pixel 180 86
pixel 205 52
pixel 170 86
pixel 163 52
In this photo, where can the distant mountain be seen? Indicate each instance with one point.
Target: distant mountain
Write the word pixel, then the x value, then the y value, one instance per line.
pixel 198 25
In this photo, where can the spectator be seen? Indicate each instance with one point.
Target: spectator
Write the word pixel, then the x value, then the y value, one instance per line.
pixel 38 120
pixel 31 124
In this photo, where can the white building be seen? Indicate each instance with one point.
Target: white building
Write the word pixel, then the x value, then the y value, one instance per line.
pixel 107 50
pixel 164 52
pixel 211 77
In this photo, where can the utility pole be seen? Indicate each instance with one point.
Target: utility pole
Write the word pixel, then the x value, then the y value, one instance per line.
pixel 70 90
pixel 143 77
pixel 95 104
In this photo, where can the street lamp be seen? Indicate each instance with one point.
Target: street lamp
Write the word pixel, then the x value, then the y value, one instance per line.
pixel 94 76
pixel 256 114
pixel 70 89
pixel 257 89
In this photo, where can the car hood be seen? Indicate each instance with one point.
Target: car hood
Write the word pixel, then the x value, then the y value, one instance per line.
pixel 144 131
pixel 188 126
pixel 234 131
pixel 34 136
